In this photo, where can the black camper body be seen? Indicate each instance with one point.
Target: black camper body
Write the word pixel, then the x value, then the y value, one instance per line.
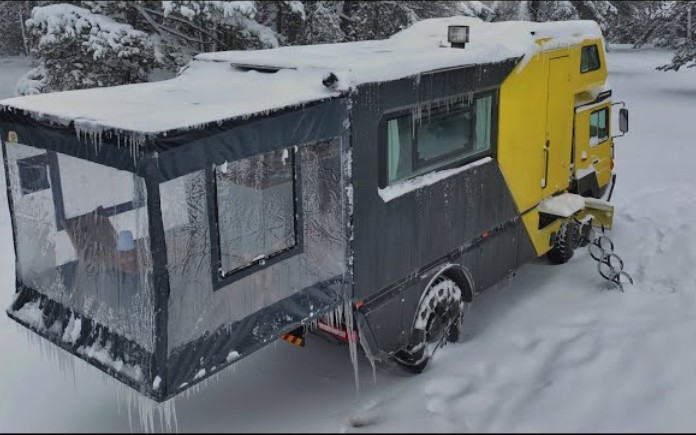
pixel 153 288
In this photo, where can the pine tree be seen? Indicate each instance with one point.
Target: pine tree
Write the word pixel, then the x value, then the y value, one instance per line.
pixel 323 23
pixel 11 22
pixel 600 11
pixel 685 55
pixel 375 20
pixel 285 18
pixel 13 15
pixel 509 11
pixel 362 20
pixel 211 25
pixel 77 49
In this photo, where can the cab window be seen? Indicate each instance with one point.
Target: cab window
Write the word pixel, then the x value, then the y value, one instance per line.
pixel 599 126
pixel 589 59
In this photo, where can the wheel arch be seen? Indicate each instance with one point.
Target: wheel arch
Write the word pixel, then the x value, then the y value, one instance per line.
pixel 462 277
pixel 457 273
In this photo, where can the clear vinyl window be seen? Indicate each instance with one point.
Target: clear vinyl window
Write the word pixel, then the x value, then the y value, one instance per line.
pixel 440 138
pixel 255 200
pixel 599 126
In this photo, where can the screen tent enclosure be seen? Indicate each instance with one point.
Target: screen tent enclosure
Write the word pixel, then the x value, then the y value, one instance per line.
pixel 162 259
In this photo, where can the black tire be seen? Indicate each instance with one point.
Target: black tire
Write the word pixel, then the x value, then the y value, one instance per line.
pixel 564 243
pixel 438 320
pixel 584 234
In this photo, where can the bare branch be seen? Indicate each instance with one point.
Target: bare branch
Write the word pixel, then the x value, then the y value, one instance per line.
pixel 184 21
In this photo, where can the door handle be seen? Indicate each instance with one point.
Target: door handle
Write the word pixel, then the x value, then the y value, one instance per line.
pixel 546 164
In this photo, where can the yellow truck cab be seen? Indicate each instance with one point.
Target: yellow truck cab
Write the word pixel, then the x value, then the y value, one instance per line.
pixel 555 136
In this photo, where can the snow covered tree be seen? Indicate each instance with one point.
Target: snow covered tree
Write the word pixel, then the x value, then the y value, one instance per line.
pixel 172 49
pixel 474 9
pixel 509 11
pixel 78 49
pixel 214 25
pixel 11 23
pixel 286 18
pixel 631 20
pixel 685 55
pixel 362 20
pixel 536 10
pixel 13 15
pixel 435 9
pixel 375 20
pixel 323 24
pixel 180 29
pixel 665 24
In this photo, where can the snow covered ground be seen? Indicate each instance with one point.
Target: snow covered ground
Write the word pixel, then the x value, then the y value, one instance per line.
pixel 11 69
pixel 553 350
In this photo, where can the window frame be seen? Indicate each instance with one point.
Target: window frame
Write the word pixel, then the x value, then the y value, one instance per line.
pixel 219 280
pixel 599 59
pixel 469 99
pixel 608 123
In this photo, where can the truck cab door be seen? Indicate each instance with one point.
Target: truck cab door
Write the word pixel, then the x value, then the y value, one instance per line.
pixel 559 128
pixel 593 149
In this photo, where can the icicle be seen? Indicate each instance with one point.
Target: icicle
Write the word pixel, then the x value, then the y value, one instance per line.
pixel 146 409
pixel 352 345
pixel 368 353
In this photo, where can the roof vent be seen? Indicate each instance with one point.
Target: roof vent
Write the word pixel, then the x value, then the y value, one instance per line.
pixel 458 36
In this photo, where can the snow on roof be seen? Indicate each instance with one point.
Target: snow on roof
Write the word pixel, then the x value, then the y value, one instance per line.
pixel 211 90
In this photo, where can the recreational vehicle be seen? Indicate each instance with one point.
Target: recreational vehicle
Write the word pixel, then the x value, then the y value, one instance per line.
pixel 370 190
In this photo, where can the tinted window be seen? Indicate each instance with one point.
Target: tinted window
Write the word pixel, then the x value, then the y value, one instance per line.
pixel 399 148
pixel 255 209
pixel 439 138
pixel 589 60
pixel 484 122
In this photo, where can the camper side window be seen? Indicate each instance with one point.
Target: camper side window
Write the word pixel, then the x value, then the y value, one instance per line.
pixel 589 59
pixel 255 200
pixel 438 138
pixel 599 130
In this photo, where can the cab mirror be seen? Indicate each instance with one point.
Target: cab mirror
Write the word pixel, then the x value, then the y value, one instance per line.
pixel 623 120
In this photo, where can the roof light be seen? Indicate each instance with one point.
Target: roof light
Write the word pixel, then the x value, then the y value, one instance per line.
pixel 458 36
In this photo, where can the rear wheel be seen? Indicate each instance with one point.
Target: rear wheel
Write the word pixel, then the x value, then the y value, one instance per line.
pixel 584 233
pixel 564 243
pixel 438 320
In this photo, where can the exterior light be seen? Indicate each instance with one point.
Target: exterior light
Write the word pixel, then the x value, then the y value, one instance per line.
pixel 458 36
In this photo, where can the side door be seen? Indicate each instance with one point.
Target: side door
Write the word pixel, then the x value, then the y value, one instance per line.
pixel 592 155
pixel 559 127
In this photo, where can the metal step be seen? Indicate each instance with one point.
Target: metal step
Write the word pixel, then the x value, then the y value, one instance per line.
pixel 609 265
